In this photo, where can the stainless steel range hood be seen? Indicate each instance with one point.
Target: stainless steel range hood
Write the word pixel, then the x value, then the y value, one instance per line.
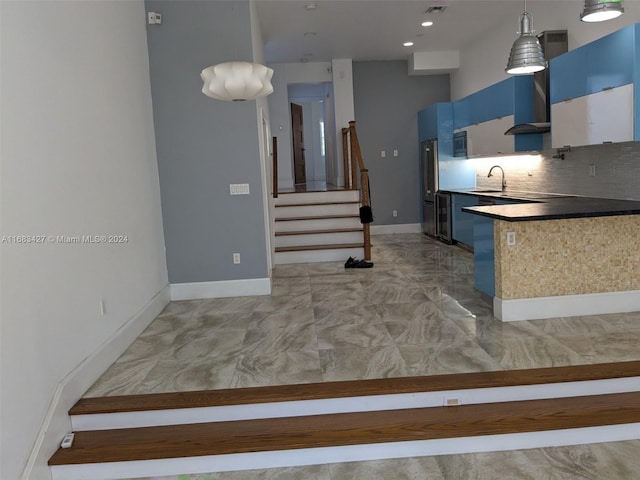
pixel 554 43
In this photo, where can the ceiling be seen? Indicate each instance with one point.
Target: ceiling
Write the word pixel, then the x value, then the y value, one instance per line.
pixel 375 29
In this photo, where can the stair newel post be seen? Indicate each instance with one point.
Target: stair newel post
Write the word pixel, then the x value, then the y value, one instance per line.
pixel 353 139
pixel 345 159
pixel 274 157
pixel 364 178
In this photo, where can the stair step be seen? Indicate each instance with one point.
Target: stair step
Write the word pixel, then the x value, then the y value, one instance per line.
pixel 315 217
pixel 319 232
pixel 317 432
pixel 328 196
pixel 305 248
pixel 351 396
pixel 314 204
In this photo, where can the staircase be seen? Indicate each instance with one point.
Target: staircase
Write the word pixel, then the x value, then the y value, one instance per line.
pixel 318 227
pixel 266 427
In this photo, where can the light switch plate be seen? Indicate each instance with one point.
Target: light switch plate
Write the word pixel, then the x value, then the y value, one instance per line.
pixel 239 189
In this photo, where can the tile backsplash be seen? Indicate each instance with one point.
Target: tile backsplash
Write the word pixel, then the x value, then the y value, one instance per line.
pixel 617 171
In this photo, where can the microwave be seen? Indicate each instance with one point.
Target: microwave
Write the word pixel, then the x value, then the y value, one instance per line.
pixel 460 144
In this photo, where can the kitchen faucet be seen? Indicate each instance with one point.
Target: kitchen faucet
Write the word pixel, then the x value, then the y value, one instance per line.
pixel 504 182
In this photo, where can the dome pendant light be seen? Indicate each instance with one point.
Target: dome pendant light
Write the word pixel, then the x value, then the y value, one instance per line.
pixel 237 81
pixel 526 55
pixel 601 10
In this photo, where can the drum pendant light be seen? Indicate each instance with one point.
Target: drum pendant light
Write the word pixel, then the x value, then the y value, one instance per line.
pixel 601 10
pixel 237 81
pixel 526 56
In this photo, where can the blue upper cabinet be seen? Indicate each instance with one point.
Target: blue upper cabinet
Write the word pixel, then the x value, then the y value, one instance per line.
pixel 487 114
pixel 595 91
pixel 608 62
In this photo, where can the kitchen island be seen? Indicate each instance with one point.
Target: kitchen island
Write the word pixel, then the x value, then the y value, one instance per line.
pixel 558 256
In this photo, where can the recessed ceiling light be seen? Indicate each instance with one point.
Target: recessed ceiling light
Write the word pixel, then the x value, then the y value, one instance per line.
pixel 408 44
pixel 428 23
pixel 311 6
pixel 310 34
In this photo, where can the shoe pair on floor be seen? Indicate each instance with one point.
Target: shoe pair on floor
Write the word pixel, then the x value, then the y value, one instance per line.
pixel 353 263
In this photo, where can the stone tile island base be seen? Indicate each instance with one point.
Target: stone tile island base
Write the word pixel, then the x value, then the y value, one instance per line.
pixel 567 267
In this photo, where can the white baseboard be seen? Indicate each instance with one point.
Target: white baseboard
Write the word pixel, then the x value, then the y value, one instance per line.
pixel 566 305
pixel 56 422
pixel 225 288
pixel 400 228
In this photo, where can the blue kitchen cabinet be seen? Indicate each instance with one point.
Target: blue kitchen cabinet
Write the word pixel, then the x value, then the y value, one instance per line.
pixel 462 222
pixel 604 63
pixel 484 252
pixel 436 121
pixel 594 89
pixel 488 113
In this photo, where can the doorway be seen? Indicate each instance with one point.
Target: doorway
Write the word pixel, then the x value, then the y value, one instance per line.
pixel 312 134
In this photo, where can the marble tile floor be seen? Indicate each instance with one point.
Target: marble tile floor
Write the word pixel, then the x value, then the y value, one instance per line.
pixel 603 461
pixel 415 312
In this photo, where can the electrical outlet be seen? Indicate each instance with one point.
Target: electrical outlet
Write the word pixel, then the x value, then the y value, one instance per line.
pixel 511 239
pixel 395 213
pixel 236 258
pixel 592 170
pixel 383 153
pixel 395 153
pixel 451 401
pixel 103 307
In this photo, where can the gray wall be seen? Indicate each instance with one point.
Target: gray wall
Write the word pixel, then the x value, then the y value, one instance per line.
pixel 203 144
pixel 387 101
pixel 617 172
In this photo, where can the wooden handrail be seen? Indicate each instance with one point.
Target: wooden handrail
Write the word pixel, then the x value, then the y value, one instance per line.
pixel 352 154
pixel 274 156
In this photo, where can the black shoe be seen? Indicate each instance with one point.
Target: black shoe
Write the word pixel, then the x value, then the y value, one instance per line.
pixel 362 264
pixel 350 263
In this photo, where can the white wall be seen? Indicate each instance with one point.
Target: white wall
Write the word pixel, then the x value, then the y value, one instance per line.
pixel 483 62
pixel 344 113
pixel 78 158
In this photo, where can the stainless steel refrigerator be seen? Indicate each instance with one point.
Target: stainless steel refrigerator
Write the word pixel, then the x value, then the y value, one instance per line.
pixel 429 160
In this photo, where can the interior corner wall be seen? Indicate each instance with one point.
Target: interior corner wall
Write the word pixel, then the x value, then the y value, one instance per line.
pixel 482 62
pixel 204 145
pixel 78 159
pixel 387 101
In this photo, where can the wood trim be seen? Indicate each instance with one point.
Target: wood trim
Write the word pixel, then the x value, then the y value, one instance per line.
pixel 356 388
pixel 319 431
pixel 319 217
pixel 319 232
pixel 274 154
pixel 317 204
pixel 305 248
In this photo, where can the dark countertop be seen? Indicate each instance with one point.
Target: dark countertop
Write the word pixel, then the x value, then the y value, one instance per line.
pixel 540 206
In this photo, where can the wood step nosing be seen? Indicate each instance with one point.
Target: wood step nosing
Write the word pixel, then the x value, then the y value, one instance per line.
pixel 320 232
pixel 342 454
pixel 358 388
pixel 319 217
pixel 317 204
pixel 400 401
pixel 311 248
pixel 353 429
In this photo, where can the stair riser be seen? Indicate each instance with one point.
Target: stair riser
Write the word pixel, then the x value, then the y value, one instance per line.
pixel 339 454
pixel 319 239
pixel 350 404
pixel 317 224
pixel 316 197
pixel 314 256
pixel 317 210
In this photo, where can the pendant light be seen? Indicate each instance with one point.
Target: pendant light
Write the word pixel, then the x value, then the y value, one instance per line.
pixel 237 81
pixel 601 10
pixel 526 55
